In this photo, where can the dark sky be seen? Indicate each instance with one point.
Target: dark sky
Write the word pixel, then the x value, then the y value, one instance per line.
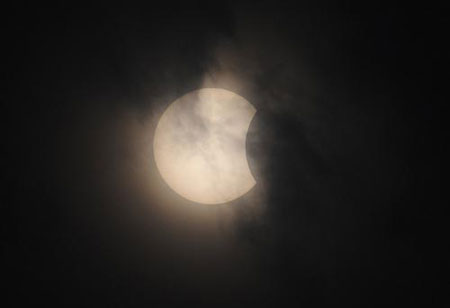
pixel 345 147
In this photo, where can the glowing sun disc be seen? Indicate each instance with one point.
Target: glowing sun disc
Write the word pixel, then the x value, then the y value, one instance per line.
pixel 199 146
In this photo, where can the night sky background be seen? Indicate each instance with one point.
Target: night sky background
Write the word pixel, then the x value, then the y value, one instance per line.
pixel 345 147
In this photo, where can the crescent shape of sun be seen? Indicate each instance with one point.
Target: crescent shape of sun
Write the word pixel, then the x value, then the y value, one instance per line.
pixel 199 146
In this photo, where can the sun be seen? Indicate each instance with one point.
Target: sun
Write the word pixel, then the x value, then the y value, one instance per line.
pixel 199 146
